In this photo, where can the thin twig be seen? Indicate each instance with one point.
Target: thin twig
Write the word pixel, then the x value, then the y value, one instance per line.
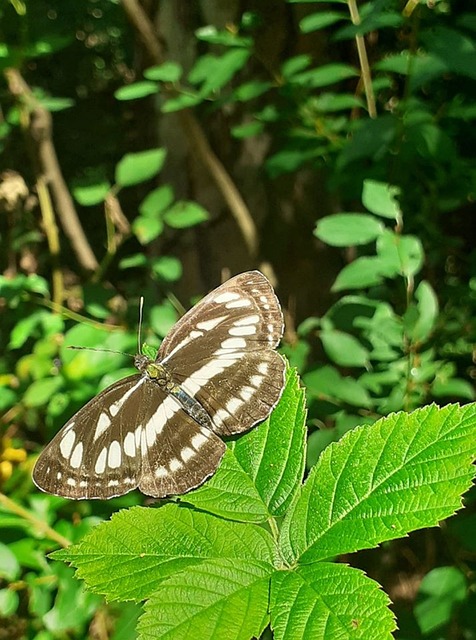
pixel 40 526
pixel 195 134
pixel 364 61
pixel 51 230
pixel 40 131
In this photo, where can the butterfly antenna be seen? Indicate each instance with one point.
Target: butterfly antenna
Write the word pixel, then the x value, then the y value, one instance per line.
pixel 122 353
pixel 141 311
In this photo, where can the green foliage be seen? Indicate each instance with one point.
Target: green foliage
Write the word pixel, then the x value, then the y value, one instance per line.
pixel 397 334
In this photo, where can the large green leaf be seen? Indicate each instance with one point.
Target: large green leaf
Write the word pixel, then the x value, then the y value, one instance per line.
pixel 129 557
pixel 219 598
pixel 405 472
pixel 325 601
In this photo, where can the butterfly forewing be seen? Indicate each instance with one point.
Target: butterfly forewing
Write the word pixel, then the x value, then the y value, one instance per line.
pixel 216 373
pixel 222 354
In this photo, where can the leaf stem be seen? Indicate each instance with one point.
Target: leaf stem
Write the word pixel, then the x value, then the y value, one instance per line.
pixel 41 527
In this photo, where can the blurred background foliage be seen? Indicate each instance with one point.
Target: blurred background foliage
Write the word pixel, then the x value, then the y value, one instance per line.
pixel 154 149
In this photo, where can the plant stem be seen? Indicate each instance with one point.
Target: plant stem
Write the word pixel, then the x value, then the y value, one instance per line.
pixel 364 61
pixel 41 527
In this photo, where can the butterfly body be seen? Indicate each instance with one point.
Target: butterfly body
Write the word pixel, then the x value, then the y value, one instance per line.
pixel 216 374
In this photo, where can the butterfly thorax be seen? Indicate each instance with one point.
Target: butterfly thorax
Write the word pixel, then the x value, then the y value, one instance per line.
pixel 157 373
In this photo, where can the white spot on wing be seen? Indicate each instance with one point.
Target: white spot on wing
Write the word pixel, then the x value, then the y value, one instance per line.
pixel 187 453
pixel 226 296
pixel 233 343
pixel 220 417
pixel 207 325
pixel 242 331
pixel 116 406
pixel 200 378
pixel 161 472
pixel 198 440
pixel 104 423
pixel 101 461
pixel 247 393
pixel 76 456
pixel 254 319
pixel 233 404
pixel 67 442
pixel 130 445
pixel 175 465
pixel 238 304
pixel 157 421
pixel 59 475
pixel 256 380
pixel 114 455
pixel 263 368
pixel 71 482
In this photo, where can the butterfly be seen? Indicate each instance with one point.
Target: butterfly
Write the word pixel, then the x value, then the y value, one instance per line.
pixel 216 374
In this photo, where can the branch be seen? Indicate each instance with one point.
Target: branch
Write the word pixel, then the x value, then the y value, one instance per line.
pixel 195 134
pixel 40 128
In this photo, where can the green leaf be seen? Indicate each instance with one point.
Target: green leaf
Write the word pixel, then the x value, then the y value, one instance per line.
pixel 247 130
pixel 138 550
pixel 40 391
pixel 323 601
pixel 401 254
pixel 135 168
pixel 182 101
pixel 250 90
pixel 325 75
pixel 91 192
pixel 9 601
pixel 344 349
pixel 226 37
pixel 219 598
pixel 9 567
pixel 294 65
pixel 136 90
pixel 162 318
pixel 380 199
pixel 440 592
pixel 73 605
pixel 38 323
pixel 166 72
pixel 134 261
pixel 379 482
pixel 223 69
pixel 156 201
pixel 348 229
pixel 452 388
pixel 261 472
pixel 316 21
pixel 360 273
pixel 374 21
pixel 167 268
pixel 427 307
pixel 184 214
pixel 55 103
pixel 147 228
pixel 455 49
pixel 327 384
